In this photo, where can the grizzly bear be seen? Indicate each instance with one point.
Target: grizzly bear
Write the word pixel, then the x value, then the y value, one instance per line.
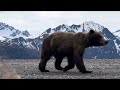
pixel 70 45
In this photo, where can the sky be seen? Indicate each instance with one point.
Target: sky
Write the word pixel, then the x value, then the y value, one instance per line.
pixel 37 22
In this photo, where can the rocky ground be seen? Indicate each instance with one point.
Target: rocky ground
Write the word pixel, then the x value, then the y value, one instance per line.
pixel 28 69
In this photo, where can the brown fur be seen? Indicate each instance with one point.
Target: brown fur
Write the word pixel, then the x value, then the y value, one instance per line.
pixel 70 45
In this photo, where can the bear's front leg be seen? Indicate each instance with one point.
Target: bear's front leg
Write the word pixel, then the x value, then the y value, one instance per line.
pixel 78 57
pixel 81 67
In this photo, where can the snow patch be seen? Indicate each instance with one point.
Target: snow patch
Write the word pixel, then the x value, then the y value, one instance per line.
pixel 117 34
pixel 29 45
pixel 95 57
pixel 117 46
pixel 2 38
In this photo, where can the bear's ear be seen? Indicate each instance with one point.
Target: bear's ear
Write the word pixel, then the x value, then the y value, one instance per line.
pixel 91 31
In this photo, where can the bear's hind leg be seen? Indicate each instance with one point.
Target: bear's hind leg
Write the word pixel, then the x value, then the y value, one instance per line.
pixel 71 64
pixel 43 62
pixel 42 65
pixel 58 63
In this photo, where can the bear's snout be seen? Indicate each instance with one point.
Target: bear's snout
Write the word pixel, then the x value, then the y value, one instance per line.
pixel 106 42
pixel 103 41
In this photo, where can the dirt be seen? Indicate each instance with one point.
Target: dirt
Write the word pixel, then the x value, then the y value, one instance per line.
pixel 28 69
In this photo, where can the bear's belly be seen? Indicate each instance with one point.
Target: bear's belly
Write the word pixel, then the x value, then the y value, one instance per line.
pixel 63 52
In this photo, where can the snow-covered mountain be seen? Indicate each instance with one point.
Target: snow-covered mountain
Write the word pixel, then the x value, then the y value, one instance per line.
pixel 85 27
pixel 112 50
pixel 9 32
pixel 117 33
pixel 30 47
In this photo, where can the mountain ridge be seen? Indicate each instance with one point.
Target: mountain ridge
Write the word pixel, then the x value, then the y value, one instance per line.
pixel 31 47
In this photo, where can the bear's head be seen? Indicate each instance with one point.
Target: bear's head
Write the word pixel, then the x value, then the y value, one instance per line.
pixel 96 39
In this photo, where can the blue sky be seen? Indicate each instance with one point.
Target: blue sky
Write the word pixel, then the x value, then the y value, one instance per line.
pixel 38 21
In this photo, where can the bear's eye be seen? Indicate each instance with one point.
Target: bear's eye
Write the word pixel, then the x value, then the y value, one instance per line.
pixel 100 36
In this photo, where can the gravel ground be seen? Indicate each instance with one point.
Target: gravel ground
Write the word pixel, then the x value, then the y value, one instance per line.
pixel 28 69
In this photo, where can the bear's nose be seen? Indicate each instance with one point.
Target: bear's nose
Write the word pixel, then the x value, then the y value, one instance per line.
pixel 106 42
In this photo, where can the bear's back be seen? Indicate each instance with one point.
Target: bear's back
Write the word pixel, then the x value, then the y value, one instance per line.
pixel 61 39
pixel 63 33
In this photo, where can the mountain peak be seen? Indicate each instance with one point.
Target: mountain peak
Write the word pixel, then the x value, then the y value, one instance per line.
pixel 85 27
pixel 26 33
pixel 118 31
pixel 10 32
pixel 92 25
pixel 87 22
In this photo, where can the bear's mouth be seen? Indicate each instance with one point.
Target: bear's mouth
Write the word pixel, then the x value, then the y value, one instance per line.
pixel 106 42
pixel 103 44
